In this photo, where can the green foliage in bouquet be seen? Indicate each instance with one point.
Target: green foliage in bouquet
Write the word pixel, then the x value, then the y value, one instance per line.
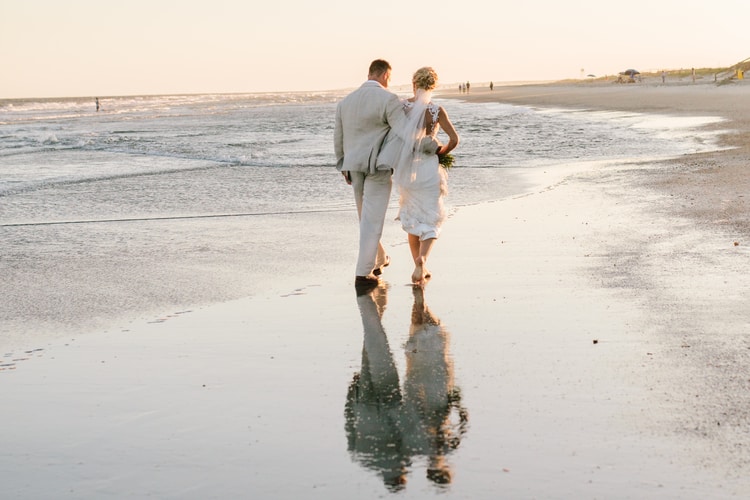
pixel 446 160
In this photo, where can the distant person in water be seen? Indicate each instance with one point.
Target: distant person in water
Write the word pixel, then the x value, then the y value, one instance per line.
pixel 97 104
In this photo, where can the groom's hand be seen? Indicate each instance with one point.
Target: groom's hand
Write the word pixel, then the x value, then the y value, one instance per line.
pixel 430 145
pixel 347 176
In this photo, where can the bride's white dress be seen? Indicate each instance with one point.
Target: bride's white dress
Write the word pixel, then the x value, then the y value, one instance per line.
pixel 421 192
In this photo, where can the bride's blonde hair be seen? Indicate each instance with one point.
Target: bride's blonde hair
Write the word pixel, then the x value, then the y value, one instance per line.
pixel 425 78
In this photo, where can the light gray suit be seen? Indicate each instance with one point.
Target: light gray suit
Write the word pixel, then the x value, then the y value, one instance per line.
pixel 363 119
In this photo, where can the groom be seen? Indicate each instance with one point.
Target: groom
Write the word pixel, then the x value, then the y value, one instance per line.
pixel 363 118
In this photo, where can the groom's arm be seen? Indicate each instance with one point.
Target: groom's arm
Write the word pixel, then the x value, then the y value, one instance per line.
pixel 338 145
pixel 395 116
pixel 338 139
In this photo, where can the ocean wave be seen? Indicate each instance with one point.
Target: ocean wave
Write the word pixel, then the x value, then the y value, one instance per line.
pixel 17 187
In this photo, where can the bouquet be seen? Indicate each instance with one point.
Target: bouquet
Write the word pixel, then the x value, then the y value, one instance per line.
pixel 446 160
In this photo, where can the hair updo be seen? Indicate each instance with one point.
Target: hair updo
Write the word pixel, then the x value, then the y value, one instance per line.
pixel 425 78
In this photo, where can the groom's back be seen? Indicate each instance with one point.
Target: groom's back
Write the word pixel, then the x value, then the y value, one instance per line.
pixel 363 119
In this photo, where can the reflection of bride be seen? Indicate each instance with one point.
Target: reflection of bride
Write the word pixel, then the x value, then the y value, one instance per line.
pixel 430 396
pixel 386 428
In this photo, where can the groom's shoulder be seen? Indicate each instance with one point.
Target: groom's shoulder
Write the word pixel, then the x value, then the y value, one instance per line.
pixel 367 95
pixel 372 88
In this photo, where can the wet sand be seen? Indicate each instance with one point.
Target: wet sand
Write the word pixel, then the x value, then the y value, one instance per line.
pixel 585 340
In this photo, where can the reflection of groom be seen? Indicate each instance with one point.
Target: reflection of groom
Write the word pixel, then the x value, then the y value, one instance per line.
pixel 363 118
pixel 373 402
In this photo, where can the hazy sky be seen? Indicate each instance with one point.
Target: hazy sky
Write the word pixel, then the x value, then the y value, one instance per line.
pixel 97 47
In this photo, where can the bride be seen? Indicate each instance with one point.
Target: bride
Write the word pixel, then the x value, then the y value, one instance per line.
pixel 421 181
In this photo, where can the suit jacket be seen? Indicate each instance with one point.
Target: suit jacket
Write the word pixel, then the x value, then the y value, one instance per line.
pixel 363 119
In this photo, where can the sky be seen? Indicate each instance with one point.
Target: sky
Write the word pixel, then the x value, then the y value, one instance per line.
pixel 54 48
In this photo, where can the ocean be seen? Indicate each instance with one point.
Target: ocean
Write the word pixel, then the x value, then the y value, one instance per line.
pixel 169 144
pixel 155 202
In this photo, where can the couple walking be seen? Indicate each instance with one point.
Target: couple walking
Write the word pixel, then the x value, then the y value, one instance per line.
pixel 379 139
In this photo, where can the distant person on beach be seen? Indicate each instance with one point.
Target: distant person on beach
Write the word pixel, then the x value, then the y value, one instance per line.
pixel 663 76
pixel 468 87
pixel 97 104
pixel 421 181
pixel 363 119
pixel 492 86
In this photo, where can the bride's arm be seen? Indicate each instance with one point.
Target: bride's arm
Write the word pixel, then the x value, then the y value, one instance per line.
pixel 448 128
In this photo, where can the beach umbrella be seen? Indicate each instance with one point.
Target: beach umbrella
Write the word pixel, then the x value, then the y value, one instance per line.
pixel 630 72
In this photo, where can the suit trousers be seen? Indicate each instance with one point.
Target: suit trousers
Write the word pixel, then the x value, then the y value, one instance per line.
pixel 372 192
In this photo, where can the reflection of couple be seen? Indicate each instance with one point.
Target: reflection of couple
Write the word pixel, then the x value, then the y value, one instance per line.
pixel 388 426
pixel 377 135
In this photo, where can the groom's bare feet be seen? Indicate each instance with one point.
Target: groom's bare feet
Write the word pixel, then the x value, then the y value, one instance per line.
pixel 364 284
pixel 379 270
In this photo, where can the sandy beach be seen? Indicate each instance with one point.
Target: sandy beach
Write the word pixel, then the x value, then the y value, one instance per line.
pixel 591 335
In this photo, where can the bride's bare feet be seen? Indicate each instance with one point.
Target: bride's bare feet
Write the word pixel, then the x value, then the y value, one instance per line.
pixel 420 274
pixel 417 277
